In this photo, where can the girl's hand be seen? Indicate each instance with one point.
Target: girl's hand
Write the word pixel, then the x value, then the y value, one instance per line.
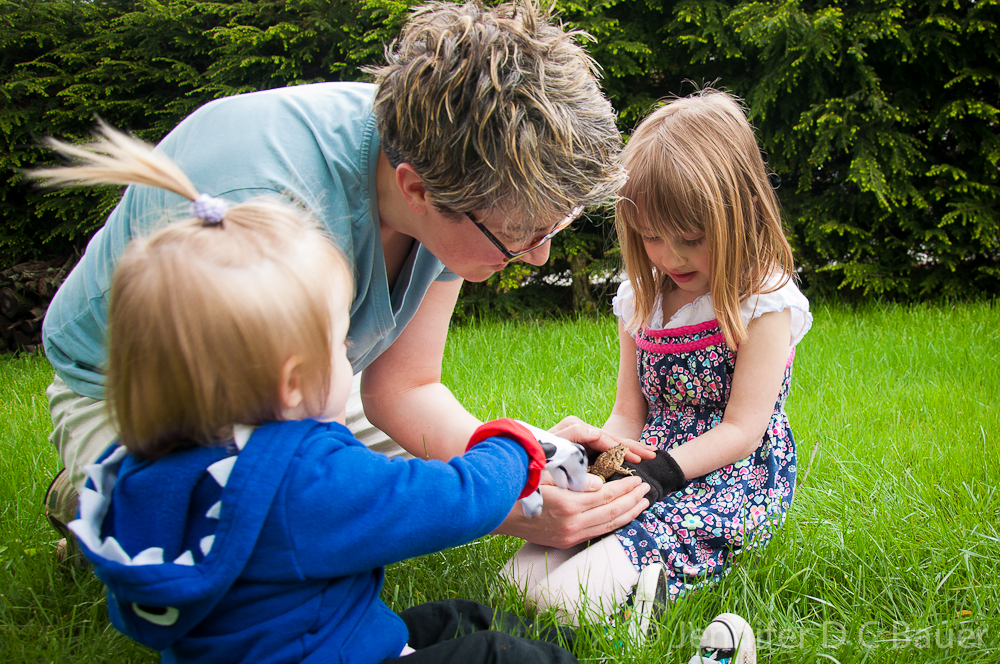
pixel 574 429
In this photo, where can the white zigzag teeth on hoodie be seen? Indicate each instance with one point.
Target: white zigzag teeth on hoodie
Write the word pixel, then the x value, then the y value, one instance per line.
pixel 104 474
pixel 220 470
pixel 110 549
pixel 151 556
pixel 241 434
pixel 186 558
pixel 96 473
pixel 94 506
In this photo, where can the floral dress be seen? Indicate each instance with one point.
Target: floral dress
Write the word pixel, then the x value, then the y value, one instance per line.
pixel 685 372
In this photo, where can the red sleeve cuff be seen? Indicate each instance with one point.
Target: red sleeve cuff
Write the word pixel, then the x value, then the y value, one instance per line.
pixel 508 428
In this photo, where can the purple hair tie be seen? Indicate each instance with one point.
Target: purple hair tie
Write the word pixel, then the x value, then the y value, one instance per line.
pixel 210 210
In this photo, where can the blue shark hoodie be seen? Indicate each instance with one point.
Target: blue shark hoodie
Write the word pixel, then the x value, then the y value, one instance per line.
pixel 271 548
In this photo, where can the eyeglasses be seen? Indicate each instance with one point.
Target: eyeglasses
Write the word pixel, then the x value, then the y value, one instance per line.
pixel 535 243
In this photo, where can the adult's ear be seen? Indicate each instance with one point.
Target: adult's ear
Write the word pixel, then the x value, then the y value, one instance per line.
pixel 290 389
pixel 413 189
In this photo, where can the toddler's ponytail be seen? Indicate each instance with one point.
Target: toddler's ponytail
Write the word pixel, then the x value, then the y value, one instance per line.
pixel 115 158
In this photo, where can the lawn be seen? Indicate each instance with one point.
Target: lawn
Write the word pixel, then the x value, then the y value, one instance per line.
pixel 891 551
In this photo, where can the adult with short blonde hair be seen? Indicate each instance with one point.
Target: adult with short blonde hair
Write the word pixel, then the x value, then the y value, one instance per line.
pixel 484 134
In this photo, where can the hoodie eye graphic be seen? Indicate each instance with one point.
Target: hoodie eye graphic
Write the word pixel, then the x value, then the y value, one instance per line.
pixel 165 616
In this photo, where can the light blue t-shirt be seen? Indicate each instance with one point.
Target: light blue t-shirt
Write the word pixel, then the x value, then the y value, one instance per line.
pixel 315 143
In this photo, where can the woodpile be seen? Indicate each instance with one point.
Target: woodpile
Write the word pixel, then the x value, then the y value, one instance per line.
pixel 25 293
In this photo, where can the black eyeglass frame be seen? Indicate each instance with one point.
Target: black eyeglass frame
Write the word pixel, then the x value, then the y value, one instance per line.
pixel 511 255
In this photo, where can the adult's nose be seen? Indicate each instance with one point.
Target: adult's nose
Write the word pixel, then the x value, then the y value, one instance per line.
pixel 539 255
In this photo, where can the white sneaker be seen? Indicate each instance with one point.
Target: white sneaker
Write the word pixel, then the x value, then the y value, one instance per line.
pixel 648 603
pixel 727 640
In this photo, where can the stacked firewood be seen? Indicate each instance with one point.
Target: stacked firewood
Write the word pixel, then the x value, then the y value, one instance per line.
pixel 25 293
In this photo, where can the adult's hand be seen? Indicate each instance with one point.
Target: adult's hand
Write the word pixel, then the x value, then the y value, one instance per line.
pixel 574 429
pixel 569 518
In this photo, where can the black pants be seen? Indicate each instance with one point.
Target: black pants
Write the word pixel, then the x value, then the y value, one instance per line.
pixel 460 631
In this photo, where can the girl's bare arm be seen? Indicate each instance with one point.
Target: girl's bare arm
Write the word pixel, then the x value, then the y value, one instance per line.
pixel 760 369
pixel 628 416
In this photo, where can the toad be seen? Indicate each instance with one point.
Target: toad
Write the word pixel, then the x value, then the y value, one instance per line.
pixel 610 462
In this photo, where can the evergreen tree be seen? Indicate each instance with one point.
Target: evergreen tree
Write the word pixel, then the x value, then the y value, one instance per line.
pixel 879 116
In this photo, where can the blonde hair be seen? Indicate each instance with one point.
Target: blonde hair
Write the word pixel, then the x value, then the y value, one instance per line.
pixel 694 167
pixel 498 108
pixel 203 316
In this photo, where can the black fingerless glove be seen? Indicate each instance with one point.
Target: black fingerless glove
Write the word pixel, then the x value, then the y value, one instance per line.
pixel 661 473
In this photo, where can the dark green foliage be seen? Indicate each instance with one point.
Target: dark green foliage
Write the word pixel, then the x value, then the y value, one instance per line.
pixel 879 116
pixel 144 66
pixel 883 120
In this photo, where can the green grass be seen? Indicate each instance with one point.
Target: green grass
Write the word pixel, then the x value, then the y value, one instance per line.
pixel 891 551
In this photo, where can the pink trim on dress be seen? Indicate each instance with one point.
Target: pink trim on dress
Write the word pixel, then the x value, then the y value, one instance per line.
pixel 681 347
pixel 791 356
pixel 681 331
pixel 686 347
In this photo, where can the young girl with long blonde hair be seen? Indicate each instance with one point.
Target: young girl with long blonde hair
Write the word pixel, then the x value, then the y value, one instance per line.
pixel 708 323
